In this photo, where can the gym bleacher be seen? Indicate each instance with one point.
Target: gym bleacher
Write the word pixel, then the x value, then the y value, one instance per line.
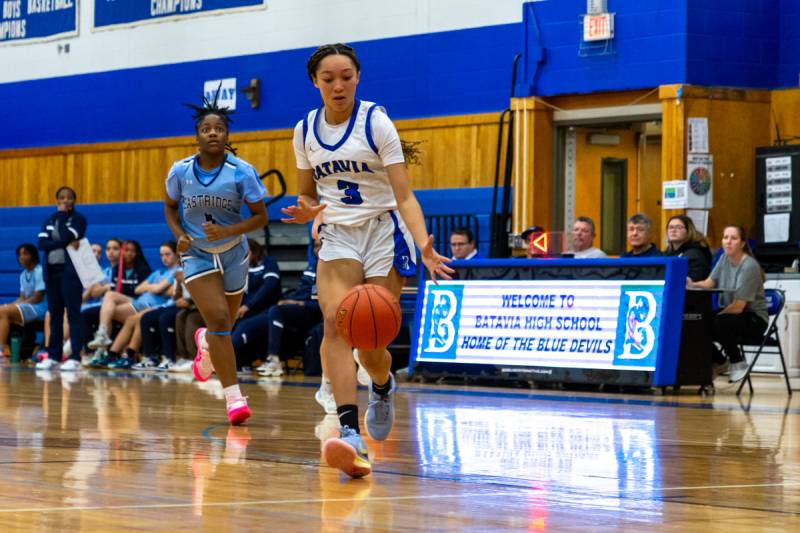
pixel 445 209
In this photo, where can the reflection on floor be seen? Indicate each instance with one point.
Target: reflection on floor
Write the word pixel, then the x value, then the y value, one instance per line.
pixel 116 451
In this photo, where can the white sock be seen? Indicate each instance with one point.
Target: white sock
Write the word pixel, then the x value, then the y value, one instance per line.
pixel 232 394
pixel 101 330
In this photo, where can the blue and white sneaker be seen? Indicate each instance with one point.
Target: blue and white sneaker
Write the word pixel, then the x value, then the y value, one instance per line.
pixel 379 417
pixel 101 359
pixel 123 363
pixel 147 363
pixel 348 453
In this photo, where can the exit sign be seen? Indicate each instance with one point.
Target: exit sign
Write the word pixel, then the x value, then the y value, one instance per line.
pixel 598 27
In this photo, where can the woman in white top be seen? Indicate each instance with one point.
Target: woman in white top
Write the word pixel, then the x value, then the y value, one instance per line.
pixel 351 171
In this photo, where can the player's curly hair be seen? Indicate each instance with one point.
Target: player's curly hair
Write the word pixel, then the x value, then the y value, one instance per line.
pixel 328 50
pixel 410 152
pixel 212 107
pixel 32 251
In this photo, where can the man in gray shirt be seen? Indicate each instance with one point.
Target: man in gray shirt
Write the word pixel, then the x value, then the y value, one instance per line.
pixel 583 234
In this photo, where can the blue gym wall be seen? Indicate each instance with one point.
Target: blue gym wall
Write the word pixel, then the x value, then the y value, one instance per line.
pixel 789 44
pixel 446 73
pixel 733 43
pixel 649 48
pixel 736 43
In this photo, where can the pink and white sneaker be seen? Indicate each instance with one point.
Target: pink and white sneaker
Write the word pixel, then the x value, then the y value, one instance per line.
pixel 239 412
pixel 202 366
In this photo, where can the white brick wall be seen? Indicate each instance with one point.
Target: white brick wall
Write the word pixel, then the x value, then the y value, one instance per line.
pixel 284 25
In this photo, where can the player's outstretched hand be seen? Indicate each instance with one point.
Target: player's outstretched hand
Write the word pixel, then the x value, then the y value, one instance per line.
pixel 435 263
pixel 302 212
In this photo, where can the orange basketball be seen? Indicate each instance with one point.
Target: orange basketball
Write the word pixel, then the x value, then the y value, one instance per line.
pixel 368 317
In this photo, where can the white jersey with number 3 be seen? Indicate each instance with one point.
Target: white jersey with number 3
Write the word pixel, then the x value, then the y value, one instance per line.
pixel 349 161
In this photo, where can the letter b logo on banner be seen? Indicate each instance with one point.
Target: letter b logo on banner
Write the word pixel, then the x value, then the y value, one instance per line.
pixel 442 316
pixel 638 325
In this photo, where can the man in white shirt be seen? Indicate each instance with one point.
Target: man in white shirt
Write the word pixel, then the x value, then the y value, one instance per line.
pixel 583 233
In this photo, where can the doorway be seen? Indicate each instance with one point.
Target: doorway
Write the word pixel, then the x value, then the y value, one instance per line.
pixel 613 209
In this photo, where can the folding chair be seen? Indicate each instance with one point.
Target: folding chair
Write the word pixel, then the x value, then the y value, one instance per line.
pixel 776 299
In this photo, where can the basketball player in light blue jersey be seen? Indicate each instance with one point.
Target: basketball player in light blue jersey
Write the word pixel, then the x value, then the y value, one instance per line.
pixel 205 194
pixel 352 173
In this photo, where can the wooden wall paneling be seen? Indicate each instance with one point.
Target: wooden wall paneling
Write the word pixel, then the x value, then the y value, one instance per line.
pixel 673 145
pixel 456 152
pixel 650 183
pixel 739 121
pixel 533 163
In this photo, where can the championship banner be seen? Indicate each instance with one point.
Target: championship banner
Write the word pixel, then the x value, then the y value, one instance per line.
pixel 29 21
pixel 587 324
pixel 113 13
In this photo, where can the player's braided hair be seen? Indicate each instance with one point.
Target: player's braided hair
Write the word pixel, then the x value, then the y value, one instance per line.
pixel 328 50
pixel 211 107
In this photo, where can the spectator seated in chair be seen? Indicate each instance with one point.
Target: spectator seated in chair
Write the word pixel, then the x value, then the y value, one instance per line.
pixel 263 291
pixel 639 237
pixel 157 328
pixel 583 234
pixel 153 292
pixel 31 305
pixel 462 244
pixel 683 240
pixel 124 280
pixel 743 316
pixel 297 312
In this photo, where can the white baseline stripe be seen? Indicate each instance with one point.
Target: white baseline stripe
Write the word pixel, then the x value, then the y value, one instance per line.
pixel 256 502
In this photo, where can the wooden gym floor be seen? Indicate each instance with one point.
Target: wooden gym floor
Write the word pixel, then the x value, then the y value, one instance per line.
pixel 117 452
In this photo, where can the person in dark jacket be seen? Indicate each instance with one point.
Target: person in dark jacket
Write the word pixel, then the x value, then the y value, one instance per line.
pixel 66 227
pixel 639 231
pixel 683 240
pixel 296 314
pixel 263 282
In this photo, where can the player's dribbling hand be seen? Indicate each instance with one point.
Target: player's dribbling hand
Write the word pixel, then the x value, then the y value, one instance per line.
pixel 183 243
pixel 302 212
pixel 435 263
pixel 215 232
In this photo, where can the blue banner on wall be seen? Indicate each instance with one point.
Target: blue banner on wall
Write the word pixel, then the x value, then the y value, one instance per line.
pixel 28 21
pixel 132 12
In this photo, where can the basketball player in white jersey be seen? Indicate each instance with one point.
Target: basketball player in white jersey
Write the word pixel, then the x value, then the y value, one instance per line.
pixel 351 171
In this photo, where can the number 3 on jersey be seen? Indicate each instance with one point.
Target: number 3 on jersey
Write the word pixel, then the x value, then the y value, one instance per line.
pixel 351 194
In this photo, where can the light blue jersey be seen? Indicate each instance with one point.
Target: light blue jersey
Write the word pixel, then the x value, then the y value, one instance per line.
pixel 31 281
pixel 216 196
pixel 108 272
pixel 148 299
